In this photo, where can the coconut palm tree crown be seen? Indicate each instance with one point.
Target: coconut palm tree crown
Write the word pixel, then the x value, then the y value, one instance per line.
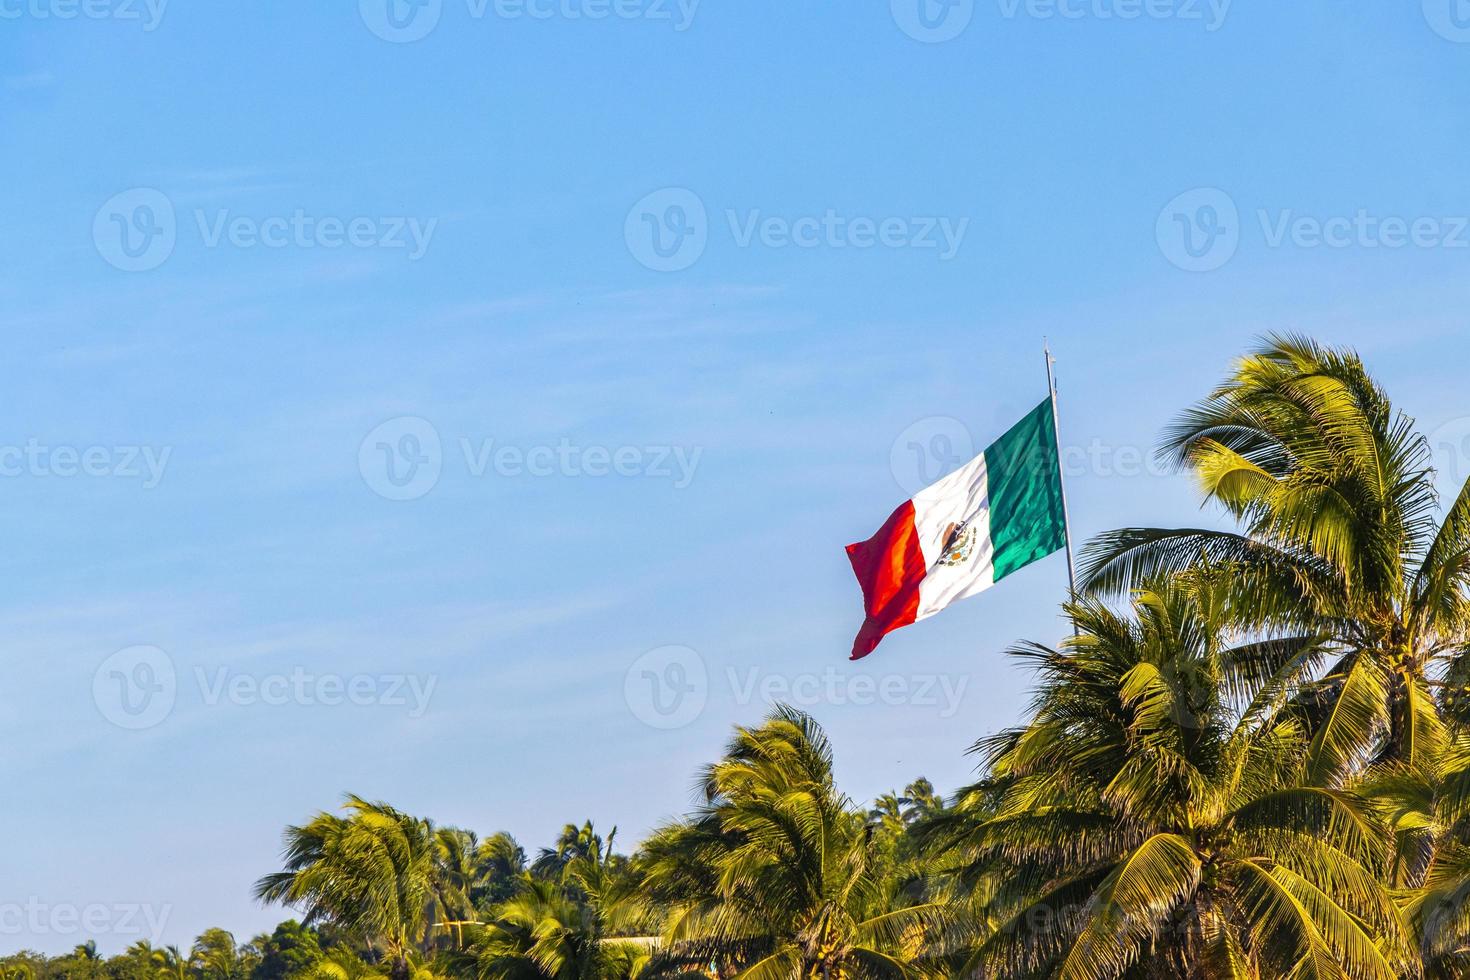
pixel 373 873
pixel 777 875
pixel 1335 497
pixel 1146 824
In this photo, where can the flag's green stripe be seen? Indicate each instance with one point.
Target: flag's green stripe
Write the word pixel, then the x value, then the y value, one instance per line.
pixel 1026 521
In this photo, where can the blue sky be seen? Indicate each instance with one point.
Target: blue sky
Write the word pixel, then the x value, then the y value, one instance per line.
pixel 345 249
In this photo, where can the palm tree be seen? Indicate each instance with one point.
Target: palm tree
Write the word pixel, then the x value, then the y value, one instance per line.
pixel 214 956
pixel 1428 811
pixel 342 964
pixel 170 964
pixel 920 801
pixel 289 949
pixel 1147 823
pixel 1335 495
pixel 544 933
pixel 887 812
pixel 777 875
pixel 500 866
pixel 84 963
pixel 371 873
pixel 456 873
pixel 574 842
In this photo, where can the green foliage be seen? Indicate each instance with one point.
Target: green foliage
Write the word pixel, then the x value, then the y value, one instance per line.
pixel 1251 761
pixel 500 869
pixel 778 874
pixel 372 873
pixel 291 951
pixel 1145 821
pixel 544 931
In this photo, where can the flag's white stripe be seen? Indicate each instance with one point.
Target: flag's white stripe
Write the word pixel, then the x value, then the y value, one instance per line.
pixel 961 498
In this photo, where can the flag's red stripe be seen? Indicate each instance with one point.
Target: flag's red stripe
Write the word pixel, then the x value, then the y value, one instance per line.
pixel 889 567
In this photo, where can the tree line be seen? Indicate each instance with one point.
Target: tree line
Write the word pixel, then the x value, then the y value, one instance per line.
pixel 1251 759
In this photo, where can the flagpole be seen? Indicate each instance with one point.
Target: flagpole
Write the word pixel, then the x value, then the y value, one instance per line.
pixel 1051 392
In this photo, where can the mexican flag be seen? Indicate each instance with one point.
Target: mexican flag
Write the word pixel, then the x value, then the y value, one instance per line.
pixel 999 512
